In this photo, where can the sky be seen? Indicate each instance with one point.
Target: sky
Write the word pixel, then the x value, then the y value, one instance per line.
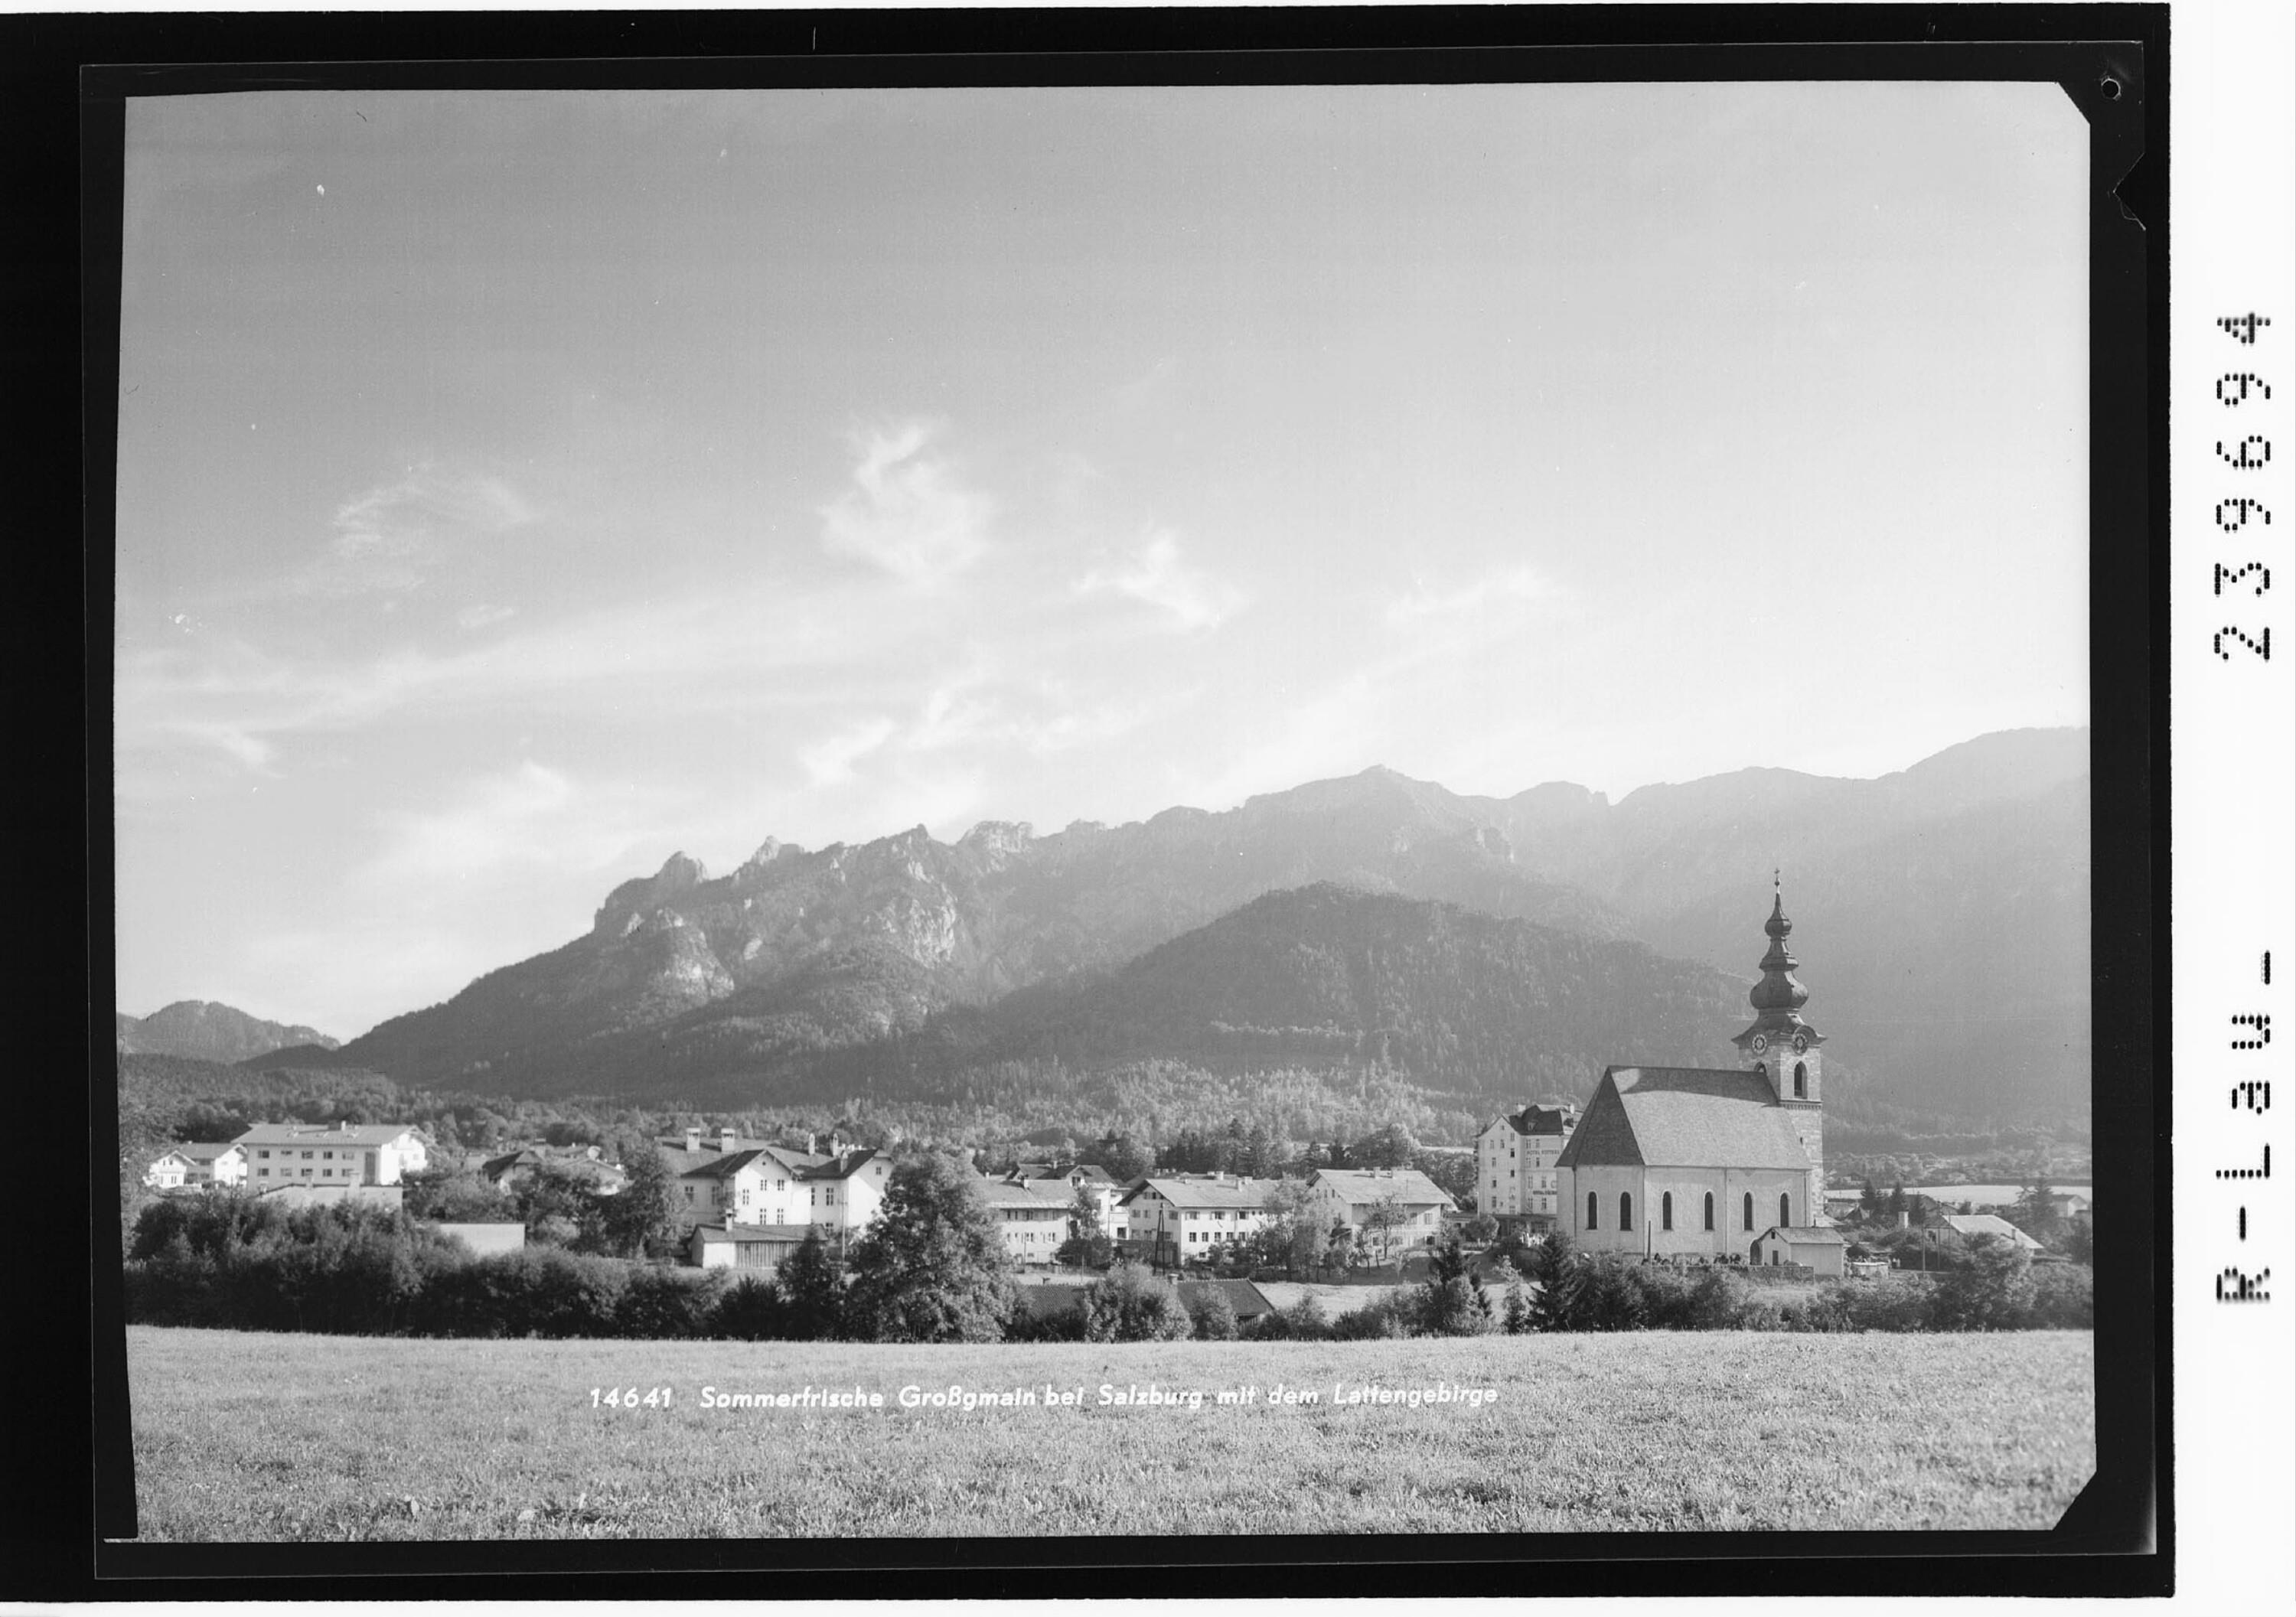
pixel 516 489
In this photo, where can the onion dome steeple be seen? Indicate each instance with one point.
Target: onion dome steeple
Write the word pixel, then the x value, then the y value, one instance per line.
pixel 1779 996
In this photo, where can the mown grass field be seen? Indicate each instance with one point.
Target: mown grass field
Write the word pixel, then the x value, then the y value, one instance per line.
pixel 243 1436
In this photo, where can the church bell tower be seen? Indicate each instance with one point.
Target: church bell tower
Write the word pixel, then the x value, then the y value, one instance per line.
pixel 1783 1047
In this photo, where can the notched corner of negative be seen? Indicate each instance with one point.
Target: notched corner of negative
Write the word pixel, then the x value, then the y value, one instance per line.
pixel 2108 90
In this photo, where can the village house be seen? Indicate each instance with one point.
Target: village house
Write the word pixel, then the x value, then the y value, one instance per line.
pixel 1067 1180
pixel 1692 1162
pixel 1956 1232
pixel 1033 1222
pixel 514 1169
pixel 761 1184
pixel 759 1248
pixel 845 1192
pixel 1514 1164
pixel 330 1154
pixel 167 1171
pixel 1818 1248
pixel 1359 1197
pixel 1168 1218
pixel 198 1167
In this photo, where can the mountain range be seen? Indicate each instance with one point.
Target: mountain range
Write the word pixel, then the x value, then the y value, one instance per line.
pixel 204 1030
pixel 1943 919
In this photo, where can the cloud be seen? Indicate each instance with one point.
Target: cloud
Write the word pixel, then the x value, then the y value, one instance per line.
pixel 391 537
pixel 1421 604
pixel 480 616
pixel 1155 576
pixel 500 825
pixel 907 512
pixel 830 761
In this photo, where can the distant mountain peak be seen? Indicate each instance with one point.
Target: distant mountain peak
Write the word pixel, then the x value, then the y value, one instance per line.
pixel 202 1029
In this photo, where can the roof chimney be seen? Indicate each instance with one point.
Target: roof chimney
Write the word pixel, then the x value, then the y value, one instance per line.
pixel 809 1150
pixel 694 1139
pixel 726 1137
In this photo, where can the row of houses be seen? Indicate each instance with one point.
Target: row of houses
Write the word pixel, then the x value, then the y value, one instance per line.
pixel 276 1156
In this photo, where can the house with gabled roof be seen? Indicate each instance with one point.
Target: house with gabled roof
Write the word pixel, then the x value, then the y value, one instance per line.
pixel 1698 1162
pixel 1246 1300
pixel 1821 1249
pixel 1354 1196
pixel 197 1165
pixel 1034 1222
pixel 1959 1231
pixel 1172 1218
pixel 843 1192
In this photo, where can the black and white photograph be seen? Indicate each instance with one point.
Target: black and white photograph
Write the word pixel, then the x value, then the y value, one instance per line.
pixel 1057 812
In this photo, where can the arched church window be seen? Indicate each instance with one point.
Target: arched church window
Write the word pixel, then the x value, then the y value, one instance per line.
pixel 1710 1210
pixel 1590 1210
pixel 1750 1209
pixel 1625 1210
pixel 1666 1211
pixel 1785 1215
pixel 1763 1068
pixel 1801 1080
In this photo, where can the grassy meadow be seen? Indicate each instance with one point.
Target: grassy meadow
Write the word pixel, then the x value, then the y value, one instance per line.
pixel 243 1436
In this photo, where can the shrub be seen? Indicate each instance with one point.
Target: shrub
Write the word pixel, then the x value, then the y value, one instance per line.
pixel 749 1310
pixel 1129 1304
pixel 2063 1299
pixel 1993 1291
pixel 525 1294
pixel 1214 1317
pixel 1304 1321
pixel 1900 1303
pixel 667 1304
pixel 1397 1314
pixel 1062 1325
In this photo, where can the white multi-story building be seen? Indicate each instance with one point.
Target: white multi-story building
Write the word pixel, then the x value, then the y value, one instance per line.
pixel 1514 1163
pixel 1034 1221
pixel 1175 1217
pixel 1351 1197
pixel 320 1155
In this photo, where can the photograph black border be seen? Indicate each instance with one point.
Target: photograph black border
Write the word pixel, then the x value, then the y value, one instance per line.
pixel 75 74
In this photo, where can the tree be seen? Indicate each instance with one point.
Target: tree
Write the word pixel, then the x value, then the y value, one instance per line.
pixel 1992 1290
pixel 1557 1277
pixel 1214 1317
pixel 1869 1200
pixel 812 1296
pixel 932 1267
pixel 1453 1303
pixel 1125 1158
pixel 1084 1213
pixel 1381 1219
pixel 444 1196
pixel 1897 1199
pixel 1518 1308
pixel 639 1220
pixel 1452 1171
pixel 1482 1230
pixel 1389 1147
pixel 2081 1239
pixel 1131 1304
pixel 2035 1210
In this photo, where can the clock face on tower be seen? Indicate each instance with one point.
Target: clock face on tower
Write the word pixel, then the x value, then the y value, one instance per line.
pixel 1761 1043
pixel 1801 1043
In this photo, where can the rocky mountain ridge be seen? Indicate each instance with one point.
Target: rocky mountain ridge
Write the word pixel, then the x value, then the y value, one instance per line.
pixel 1969 868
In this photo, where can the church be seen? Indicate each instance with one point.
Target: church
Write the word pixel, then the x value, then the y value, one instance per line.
pixel 1703 1162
